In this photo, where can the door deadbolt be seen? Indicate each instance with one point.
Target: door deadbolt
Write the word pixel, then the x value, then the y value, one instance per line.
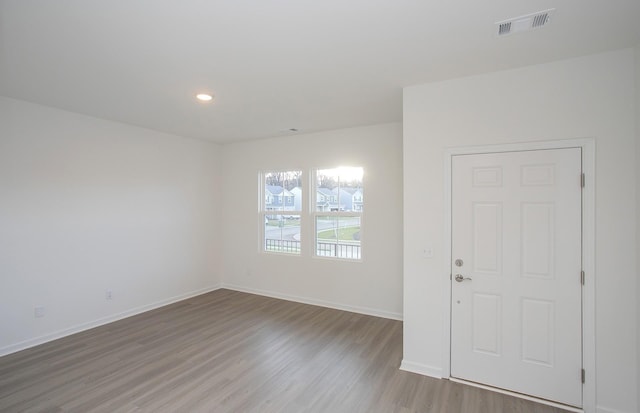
pixel 459 262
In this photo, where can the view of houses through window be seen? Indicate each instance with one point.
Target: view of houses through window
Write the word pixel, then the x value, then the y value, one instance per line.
pixel 282 212
pixel 336 207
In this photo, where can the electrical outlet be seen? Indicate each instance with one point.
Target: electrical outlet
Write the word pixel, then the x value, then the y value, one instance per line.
pixel 38 312
pixel 108 295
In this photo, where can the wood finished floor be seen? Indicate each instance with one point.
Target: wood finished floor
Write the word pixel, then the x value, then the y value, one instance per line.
pixel 228 351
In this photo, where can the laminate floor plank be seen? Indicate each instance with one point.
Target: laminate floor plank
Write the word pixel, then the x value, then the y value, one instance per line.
pixel 227 351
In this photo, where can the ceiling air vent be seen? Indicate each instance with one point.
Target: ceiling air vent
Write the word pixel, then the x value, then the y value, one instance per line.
pixel 524 23
pixel 504 28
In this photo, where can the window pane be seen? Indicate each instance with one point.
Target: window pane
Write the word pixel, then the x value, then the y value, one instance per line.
pixel 338 236
pixel 282 192
pixel 282 233
pixel 339 189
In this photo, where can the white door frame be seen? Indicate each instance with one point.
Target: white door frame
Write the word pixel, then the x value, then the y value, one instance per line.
pixel 588 251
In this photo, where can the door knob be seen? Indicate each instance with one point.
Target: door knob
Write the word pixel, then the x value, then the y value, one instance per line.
pixel 460 278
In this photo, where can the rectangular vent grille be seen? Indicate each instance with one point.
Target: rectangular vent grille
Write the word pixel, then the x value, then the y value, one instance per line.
pixel 524 23
pixel 540 20
pixel 504 28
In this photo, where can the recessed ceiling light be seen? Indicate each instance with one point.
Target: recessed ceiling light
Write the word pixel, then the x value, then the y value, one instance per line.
pixel 205 97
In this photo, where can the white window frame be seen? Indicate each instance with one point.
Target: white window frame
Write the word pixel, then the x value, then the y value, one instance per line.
pixel 287 247
pixel 314 213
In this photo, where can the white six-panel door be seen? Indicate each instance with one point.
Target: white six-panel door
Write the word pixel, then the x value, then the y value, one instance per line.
pixel 516 309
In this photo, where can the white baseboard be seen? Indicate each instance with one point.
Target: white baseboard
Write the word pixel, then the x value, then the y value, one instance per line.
pixel 601 409
pixel 423 369
pixel 101 321
pixel 314 301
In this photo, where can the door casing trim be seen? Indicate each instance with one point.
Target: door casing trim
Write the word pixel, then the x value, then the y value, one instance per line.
pixel 588 146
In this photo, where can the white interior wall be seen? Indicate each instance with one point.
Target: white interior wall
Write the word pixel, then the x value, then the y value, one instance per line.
pixel 108 206
pixel 584 97
pixel 372 286
pixel 88 205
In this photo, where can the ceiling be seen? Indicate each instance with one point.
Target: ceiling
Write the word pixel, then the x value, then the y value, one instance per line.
pixel 274 65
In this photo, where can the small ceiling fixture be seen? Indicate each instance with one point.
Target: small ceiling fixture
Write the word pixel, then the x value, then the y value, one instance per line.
pixel 204 97
pixel 524 23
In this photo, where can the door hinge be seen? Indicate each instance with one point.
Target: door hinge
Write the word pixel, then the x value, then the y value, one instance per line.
pixel 450 277
pixel 582 179
pixel 582 277
pixel 583 375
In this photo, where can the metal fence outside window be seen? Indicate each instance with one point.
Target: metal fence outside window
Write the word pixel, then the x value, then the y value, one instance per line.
pixel 281 245
pixel 323 249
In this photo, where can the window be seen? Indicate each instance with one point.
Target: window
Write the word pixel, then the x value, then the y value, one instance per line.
pixel 281 212
pixel 339 202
